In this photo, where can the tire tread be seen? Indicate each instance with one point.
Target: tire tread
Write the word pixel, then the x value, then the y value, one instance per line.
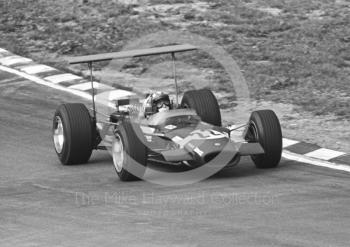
pixel 270 133
pixel 78 133
pixel 205 104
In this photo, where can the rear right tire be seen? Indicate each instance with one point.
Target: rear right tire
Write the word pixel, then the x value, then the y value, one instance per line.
pixel 204 102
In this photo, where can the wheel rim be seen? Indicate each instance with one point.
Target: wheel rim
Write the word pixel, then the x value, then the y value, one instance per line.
pixel 253 132
pixel 118 153
pixel 254 137
pixel 58 134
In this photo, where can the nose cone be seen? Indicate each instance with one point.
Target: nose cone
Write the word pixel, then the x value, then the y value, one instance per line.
pixel 220 150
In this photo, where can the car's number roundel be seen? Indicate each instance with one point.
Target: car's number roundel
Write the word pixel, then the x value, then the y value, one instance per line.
pixel 207 134
pixel 198 135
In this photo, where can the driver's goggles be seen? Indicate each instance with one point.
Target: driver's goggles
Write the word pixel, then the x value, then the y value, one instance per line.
pixel 163 103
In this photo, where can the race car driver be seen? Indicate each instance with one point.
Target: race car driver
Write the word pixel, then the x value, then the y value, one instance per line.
pixel 156 102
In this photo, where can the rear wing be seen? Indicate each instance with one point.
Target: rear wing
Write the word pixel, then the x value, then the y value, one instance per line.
pixel 89 59
pixel 132 53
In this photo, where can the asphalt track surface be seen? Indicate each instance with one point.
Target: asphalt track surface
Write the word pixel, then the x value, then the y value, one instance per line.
pixel 43 203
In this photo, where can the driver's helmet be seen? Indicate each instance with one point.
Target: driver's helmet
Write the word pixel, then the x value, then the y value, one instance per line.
pixel 157 102
pixel 161 102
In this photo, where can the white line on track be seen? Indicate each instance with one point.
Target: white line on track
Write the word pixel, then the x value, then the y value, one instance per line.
pixel 85 95
pixel 37 68
pixel 46 83
pixel 313 161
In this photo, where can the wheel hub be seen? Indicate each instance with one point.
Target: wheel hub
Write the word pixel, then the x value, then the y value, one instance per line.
pixel 118 153
pixel 58 135
pixel 253 132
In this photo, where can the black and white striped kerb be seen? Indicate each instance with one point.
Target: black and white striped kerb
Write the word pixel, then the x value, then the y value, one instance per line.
pixel 315 151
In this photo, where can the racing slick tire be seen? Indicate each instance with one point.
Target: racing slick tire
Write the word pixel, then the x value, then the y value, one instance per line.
pixel 72 132
pixel 129 151
pixel 204 102
pixel 264 127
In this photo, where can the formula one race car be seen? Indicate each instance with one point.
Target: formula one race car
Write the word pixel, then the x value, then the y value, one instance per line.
pixel 153 128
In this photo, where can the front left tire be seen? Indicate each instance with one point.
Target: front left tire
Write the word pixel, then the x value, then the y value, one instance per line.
pixel 129 151
pixel 72 133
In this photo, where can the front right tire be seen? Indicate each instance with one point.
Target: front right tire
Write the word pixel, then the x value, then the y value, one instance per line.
pixel 264 127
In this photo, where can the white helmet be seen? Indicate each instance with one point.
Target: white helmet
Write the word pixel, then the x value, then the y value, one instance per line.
pixel 156 102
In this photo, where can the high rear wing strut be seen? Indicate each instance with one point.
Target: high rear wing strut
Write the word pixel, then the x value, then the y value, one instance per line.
pixel 89 59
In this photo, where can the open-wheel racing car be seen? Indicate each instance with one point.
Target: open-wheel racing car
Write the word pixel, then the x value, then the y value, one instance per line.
pixel 153 128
